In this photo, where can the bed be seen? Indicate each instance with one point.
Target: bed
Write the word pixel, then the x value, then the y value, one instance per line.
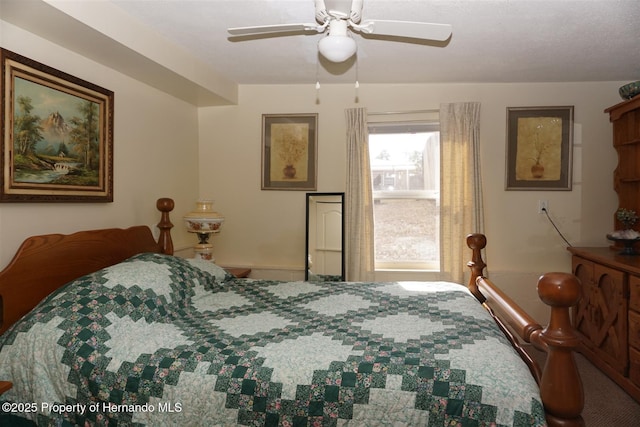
pixel 106 327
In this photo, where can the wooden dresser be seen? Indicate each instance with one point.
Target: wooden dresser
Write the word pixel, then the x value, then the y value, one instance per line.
pixel 608 314
pixel 625 120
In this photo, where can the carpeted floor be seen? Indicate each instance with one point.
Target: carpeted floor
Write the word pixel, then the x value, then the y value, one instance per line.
pixel 605 403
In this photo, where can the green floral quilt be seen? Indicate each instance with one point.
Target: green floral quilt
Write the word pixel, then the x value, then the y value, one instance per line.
pixel 160 340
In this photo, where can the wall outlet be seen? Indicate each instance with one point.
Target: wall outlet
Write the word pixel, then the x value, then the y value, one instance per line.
pixel 543 206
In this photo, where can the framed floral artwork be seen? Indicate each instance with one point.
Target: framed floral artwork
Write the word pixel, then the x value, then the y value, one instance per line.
pixel 289 150
pixel 539 148
pixel 56 135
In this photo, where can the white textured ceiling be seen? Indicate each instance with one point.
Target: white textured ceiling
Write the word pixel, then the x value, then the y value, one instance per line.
pixel 492 41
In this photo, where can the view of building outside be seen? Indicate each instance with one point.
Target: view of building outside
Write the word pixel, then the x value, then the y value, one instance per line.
pixel 405 174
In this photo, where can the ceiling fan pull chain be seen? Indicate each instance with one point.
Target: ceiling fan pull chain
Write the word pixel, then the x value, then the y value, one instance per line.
pixel 357 98
pixel 357 85
pixel 317 74
pixel 317 80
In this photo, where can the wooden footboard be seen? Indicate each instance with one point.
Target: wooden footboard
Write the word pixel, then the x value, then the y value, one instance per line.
pixel 560 384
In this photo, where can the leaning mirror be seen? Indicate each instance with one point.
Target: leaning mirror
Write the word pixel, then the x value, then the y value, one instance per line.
pixel 324 259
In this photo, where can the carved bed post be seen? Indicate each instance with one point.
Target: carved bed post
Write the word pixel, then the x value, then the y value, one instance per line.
pixel 165 205
pixel 560 385
pixel 476 242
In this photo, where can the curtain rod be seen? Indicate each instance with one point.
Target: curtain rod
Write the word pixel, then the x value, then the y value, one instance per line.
pixel 406 122
pixel 384 113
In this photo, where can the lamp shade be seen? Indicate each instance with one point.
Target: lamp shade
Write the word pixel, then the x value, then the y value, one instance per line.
pixel 337 48
pixel 203 219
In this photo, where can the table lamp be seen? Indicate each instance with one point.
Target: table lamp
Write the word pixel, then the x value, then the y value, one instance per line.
pixel 204 222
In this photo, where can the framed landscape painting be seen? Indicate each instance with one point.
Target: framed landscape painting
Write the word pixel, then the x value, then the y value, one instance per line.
pixel 289 148
pixel 57 135
pixel 539 148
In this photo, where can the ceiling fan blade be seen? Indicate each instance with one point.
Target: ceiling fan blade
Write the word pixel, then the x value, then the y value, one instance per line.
pixel 417 30
pixel 278 28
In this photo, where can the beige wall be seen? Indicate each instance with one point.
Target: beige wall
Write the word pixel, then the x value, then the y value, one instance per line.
pixel 166 147
pixel 155 154
pixel 265 229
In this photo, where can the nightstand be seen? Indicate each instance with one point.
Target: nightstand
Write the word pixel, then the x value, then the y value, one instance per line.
pixel 240 273
pixel 5 386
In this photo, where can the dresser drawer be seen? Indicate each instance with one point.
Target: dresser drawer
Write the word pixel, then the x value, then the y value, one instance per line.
pixel 634 366
pixel 634 293
pixel 634 330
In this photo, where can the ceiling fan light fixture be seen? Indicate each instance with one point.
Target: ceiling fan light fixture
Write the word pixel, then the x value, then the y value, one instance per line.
pixel 337 48
pixel 341 22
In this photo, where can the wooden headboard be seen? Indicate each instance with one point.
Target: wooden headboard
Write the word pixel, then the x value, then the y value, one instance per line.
pixel 44 263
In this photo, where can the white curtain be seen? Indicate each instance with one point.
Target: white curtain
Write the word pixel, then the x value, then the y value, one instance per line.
pixel 359 199
pixel 461 206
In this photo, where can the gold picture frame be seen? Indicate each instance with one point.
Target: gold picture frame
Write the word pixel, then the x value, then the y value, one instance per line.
pixel 539 148
pixel 56 135
pixel 289 151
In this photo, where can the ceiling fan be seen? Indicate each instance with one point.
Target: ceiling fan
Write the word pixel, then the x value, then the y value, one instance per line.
pixel 344 15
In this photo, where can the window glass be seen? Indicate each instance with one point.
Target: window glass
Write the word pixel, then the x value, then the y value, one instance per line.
pixel 405 174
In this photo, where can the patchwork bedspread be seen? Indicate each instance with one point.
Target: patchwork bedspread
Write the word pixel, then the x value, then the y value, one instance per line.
pixel 160 340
